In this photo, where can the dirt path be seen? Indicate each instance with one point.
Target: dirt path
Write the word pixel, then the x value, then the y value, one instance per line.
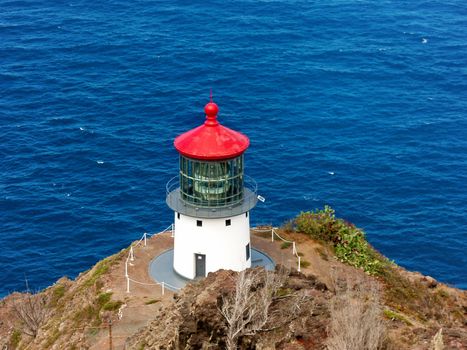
pixel 142 301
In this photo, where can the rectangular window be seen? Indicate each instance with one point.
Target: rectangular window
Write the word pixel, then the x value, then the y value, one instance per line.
pixel 199 223
pixel 228 222
pixel 247 251
pixel 246 214
pixel 178 216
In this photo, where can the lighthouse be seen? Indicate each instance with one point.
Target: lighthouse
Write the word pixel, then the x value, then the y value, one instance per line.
pixel 211 199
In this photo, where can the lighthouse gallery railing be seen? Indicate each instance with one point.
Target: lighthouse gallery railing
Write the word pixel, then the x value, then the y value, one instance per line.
pixel 176 203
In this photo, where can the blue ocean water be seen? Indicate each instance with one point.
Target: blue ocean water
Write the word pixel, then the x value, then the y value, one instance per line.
pixel 361 105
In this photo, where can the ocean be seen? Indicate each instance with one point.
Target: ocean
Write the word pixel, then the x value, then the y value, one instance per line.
pixel 360 105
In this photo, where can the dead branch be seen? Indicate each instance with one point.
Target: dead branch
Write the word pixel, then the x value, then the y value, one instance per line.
pixel 246 311
pixel 31 311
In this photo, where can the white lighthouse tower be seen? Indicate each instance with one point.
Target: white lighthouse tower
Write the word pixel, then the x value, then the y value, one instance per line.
pixel 211 199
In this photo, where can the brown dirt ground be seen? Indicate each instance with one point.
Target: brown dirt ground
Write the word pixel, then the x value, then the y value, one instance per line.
pixel 136 313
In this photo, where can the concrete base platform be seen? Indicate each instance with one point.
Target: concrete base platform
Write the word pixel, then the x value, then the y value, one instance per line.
pixel 161 268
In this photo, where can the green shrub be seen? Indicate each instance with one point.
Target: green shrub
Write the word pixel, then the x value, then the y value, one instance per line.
pixel 304 263
pixel 15 338
pixel 103 298
pixel 58 293
pixel 86 314
pixel 285 245
pixel 112 305
pixel 99 269
pixel 348 241
pixel 282 292
pixel 152 301
pixel 319 224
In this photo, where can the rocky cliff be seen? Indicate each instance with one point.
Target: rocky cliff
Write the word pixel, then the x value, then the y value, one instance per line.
pixel 329 305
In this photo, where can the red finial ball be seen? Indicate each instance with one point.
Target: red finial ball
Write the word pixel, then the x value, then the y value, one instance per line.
pixel 211 109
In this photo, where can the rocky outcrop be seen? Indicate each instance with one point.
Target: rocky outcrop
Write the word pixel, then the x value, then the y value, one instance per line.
pixel 298 314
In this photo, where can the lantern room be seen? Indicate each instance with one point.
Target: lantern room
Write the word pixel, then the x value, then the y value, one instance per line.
pixel 211 184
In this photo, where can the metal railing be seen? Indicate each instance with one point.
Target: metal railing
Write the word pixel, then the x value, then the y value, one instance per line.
pixel 176 203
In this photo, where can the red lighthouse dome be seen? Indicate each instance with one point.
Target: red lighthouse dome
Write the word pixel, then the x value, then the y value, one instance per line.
pixel 211 141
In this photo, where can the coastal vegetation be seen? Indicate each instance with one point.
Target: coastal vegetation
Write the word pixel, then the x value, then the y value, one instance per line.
pixel 347 295
pixel 349 242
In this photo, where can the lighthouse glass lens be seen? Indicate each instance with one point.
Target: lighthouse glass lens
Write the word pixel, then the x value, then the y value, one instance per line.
pixel 211 183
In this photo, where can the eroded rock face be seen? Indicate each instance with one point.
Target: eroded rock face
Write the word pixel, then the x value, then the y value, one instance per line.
pixel 297 314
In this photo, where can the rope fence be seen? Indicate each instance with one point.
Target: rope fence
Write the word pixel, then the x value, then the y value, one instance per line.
pixel 274 233
pixel 131 257
pixel 143 241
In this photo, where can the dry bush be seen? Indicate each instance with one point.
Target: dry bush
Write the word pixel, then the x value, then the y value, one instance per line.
pixel 246 311
pixel 437 341
pixel 31 311
pixel 356 322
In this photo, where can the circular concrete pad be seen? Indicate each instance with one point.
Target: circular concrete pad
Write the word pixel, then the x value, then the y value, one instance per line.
pixel 161 268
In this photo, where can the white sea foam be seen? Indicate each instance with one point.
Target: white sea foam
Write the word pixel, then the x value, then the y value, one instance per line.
pixel 100 162
pixel 331 172
pixel 424 41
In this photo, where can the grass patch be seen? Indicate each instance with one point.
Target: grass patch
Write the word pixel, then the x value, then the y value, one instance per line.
pixel 282 292
pixel 15 338
pixel 322 253
pixel 442 293
pixel 112 305
pixel 304 263
pixel 87 315
pixel 152 301
pixel 57 294
pixel 103 298
pixel 105 303
pixel 413 298
pixel 394 316
pixel 92 331
pixel 285 245
pixel 101 268
pixel 52 338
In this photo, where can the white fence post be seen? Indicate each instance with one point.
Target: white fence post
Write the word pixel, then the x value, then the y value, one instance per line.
pixel 132 256
pixel 127 284
pixel 298 263
pixel 294 250
pixel 163 289
pixel 272 235
pixel 145 239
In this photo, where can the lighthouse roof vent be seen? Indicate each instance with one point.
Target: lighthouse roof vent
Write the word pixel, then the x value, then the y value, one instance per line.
pixel 211 141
